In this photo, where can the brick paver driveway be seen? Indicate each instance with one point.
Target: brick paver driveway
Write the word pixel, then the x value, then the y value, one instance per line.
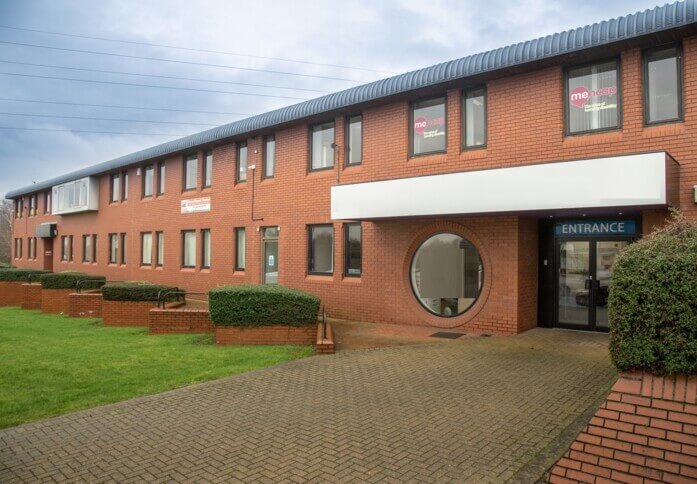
pixel 480 410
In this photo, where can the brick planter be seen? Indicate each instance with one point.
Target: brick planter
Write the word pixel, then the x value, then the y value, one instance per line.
pixel 266 335
pixel 31 296
pixel 126 313
pixel 325 346
pixel 646 431
pixel 55 301
pixel 11 293
pixel 180 320
pixel 85 305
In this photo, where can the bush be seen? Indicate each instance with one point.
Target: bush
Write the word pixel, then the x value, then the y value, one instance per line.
pixel 69 280
pixel 257 305
pixel 653 302
pixel 135 291
pixel 14 275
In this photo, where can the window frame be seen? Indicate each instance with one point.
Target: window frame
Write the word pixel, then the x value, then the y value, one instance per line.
pixel 186 160
pixel 207 171
pixel 94 248
pixel 463 134
pixel 311 146
pixel 142 249
pixel 347 252
pixel 237 266
pixel 310 253
pixel 565 98
pixel 183 251
pixel 144 183
pixel 159 261
pixel 123 241
pixel 347 137
pixel 645 83
pixel 265 153
pixel 113 248
pixel 206 233
pixel 412 104
pixel 238 151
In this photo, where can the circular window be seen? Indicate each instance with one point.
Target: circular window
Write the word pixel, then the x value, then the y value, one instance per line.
pixel 447 274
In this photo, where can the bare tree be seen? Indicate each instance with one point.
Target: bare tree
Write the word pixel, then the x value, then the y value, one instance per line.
pixel 5 231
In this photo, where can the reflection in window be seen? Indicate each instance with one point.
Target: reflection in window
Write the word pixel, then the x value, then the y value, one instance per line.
pixel 355 140
pixel 593 97
pixel 322 150
pixel 428 128
pixel 475 118
pixel 663 96
pixel 190 172
pixel 447 274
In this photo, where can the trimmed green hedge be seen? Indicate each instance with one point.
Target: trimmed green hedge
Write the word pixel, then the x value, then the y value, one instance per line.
pixel 653 302
pixel 68 280
pixel 262 305
pixel 135 291
pixel 14 275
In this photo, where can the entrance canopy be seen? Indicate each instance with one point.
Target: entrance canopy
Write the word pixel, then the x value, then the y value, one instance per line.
pixel 642 180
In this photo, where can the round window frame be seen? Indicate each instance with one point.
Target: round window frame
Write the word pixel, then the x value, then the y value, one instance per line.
pixel 411 279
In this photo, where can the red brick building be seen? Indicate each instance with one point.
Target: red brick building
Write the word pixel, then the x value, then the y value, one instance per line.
pixel 490 193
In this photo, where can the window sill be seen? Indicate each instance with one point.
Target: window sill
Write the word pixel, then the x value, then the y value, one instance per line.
pixel 428 159
pixel 592 138
pixel 320 278
pixel 321 172
pixel 188 269
pixel 352 279
pixel 474 153
pixel 239 273
pixel 664 129
pixel 146 267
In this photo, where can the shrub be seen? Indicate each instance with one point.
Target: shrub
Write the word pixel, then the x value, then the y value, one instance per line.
pixel 69 280
pixel 13 274
pixel 653 302
pixel 262 305
pixel 135 291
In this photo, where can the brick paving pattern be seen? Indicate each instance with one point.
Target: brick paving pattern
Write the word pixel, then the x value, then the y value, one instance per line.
pixel 477 410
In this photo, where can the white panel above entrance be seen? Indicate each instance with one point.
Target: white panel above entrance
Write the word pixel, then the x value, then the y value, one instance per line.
pixel 619 181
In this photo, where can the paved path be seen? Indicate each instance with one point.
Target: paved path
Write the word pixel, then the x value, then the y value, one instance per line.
pixel 479 410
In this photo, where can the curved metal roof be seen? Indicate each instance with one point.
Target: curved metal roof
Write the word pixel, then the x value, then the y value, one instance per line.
pixel 654 20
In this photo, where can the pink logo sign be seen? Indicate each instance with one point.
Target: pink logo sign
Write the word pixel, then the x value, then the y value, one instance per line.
pixel 581 95
pixel 421 123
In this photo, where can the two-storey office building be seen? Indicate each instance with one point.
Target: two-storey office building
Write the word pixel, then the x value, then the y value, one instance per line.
pixel 489 193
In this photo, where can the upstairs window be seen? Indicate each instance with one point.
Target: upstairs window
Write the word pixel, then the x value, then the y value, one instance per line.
pixel 242 162
pixel 47 202
pixel 148 181
pixel 474 118
pixel 428 126
pixel 190 172
pixel 354 140
pixel 592 97
pixel 124 194
pixel 115 184
pixel 32 205
pixel 208 170
pixel 269 156
pixel 663 85
pixel 322 146
pixel 161 178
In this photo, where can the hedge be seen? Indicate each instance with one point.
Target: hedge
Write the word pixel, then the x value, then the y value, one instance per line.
pixel 14 275
pixel 69 280
pixel 262 305
pixel 135 291
pixel 653 302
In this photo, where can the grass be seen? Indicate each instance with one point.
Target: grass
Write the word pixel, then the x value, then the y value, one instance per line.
pixel 53 364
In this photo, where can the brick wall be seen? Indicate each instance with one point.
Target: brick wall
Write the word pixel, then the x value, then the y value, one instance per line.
pixel 55 301
pixel 646 431
pixel 11 293
pixel 525 126
pixel 266 335
pixel 31 296
pixel 180 320
pixel 85 305
pixel 126 313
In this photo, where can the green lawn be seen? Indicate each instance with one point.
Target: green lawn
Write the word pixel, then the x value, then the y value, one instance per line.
pixel 51 365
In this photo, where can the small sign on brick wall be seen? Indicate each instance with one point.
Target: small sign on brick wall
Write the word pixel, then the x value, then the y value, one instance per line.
pixel 196 205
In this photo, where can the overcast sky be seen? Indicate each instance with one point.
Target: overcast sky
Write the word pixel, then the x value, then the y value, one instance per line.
pixel 373 38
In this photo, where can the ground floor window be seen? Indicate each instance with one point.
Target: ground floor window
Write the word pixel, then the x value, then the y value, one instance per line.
pixel 160 248
pixel 241 249
pixel 146 248
pixel 113 248
pixel 447 274
pixel 321 249
pixel 189 248
pixel 353 249
pixel 206 247
pixel 86 248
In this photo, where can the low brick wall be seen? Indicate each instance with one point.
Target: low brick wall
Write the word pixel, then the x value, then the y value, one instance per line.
pixel 55 301
pixel 126 313
pixel 11 293
pixel 325 345
pixel 646 431
pixel 31 296
pixel 180 320
pixel 85 305
pixel 266 335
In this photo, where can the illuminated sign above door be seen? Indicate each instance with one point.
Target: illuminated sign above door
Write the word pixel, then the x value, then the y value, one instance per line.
pixel 595 227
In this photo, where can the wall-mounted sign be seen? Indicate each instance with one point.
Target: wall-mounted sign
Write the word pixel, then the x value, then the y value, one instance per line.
pixel 595 227
pixel 196 205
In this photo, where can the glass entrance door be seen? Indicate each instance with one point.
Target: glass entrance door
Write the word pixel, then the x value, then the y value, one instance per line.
pixel 270 255
pixel 583 282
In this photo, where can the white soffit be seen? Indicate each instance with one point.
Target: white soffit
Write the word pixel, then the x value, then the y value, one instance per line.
pixel 619 181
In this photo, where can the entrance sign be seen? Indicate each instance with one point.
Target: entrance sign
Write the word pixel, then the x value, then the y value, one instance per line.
pixel 598 227
pixel 196 205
